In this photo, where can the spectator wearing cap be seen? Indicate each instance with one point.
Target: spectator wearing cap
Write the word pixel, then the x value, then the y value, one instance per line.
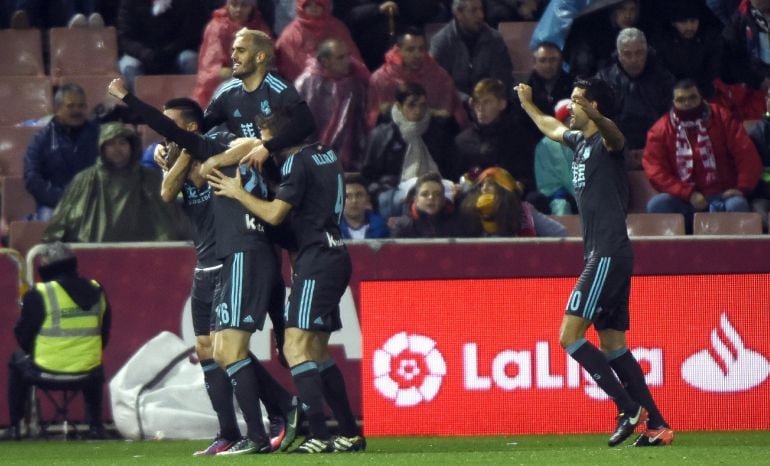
pixel 553 168
pixel 494 207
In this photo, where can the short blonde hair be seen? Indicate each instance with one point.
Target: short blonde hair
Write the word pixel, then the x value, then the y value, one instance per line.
pixel 262 42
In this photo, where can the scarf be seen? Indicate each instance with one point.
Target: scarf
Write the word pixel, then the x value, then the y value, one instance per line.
pixel 684 150
pixel 417 160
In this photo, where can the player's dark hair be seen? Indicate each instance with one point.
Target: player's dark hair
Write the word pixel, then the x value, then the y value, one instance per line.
pixel 601 92
pixel 191 111
pixel 409 31
pixel 686 83
pixel 409 89
pixel 275 122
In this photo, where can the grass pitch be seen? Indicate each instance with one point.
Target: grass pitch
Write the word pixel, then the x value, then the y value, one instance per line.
pixel 698 448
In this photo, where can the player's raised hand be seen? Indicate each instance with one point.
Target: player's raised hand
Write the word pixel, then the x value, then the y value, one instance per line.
pixel 524 91
pixel 225 185
pixel 117 88
pixel 591 111
pixel 159 156
pixel 257 156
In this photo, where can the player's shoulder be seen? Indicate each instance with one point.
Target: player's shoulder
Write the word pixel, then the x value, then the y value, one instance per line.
pixel 276 83
pixel 227 88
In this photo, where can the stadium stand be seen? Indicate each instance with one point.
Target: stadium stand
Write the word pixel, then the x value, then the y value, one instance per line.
pixel 95 87
pixel 158 89
pixel 23 235
pixel 13 144
pixel 655 224
pixel 83 51
pixel 571 223
pixel 516 36
pixel 21 52
pixel 24 98
pixel 15 202
pixel 727 223
pixel 640 191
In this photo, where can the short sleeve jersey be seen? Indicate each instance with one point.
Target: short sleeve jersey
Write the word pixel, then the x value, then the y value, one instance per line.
pixel 601 190
pixel 312 182
pixel 198 207
pixel 235 107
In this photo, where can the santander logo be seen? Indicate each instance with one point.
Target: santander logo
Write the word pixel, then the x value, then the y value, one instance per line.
pixel 408 369
pixel 727 366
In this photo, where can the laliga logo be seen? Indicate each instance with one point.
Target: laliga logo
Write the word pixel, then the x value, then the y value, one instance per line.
pixel 738 368
pixel 408 369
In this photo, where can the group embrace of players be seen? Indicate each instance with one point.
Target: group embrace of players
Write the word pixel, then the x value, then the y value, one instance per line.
pixel 250 187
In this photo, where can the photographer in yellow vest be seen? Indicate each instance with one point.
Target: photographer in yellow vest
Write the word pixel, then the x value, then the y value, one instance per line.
pixel 63 327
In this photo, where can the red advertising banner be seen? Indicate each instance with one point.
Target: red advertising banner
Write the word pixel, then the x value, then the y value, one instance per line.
pixel 482 356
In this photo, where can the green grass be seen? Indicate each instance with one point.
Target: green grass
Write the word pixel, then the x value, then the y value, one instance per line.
pixel 698 448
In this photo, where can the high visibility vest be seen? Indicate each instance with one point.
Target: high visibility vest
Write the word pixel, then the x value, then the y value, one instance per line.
pixel 70 339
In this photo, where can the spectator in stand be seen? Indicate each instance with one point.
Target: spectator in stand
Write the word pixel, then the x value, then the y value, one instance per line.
pixel 46 14
pixel 415 141
pixel 359 220
pixel 430 213
pixel 549 82
pixel 214 62
pixel 760 136
pixel 115 199
pixel 498 137
pixel 375 24
pixel 589 43
pixel 284 12
pixel 499 11
pixel 688 44
pixel 494 208
pixel 553 168
pixel 334 86
pixel 746 51
pixel 159 37
pixel 299 41
pixel 642 85
pixel 699 158
pixel 469 50
pixel 67 145
pixel 408 61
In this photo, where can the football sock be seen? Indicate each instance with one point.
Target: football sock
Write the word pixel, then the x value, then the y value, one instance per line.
pixel 630 373
pixel 276 399
pixel 310 388
pixel 221 395
pixel 336 397
pixel 244 382
pixel 593 361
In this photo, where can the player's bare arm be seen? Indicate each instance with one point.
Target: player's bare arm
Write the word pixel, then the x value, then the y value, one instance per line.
pixel 174 178
pixel 272 212
pixel 612 138
pixel 238 149
pixel 548 125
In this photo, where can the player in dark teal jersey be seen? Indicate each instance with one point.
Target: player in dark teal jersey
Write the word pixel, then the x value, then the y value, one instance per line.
pixel 600 297
pixel 310 199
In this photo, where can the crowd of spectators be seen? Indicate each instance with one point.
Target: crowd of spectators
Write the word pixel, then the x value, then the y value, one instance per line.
pixel 428 126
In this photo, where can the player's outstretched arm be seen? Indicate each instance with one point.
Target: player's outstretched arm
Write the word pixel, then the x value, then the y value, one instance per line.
pixel 548 125
pixel 238 149
pixel 174 178
pixel 272 212
pixel 612 137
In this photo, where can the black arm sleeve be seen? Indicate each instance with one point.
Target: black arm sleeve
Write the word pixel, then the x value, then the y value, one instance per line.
pixel 199 146
pixel 28 325
pixel 300 127
pixel 106 323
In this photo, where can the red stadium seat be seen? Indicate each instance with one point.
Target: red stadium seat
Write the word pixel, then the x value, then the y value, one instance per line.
pixel 83 51
pixel 516 35
pixel 156 90
pixel 24 98
pixel 655 224
pixel 22 236
pixel 641 191
pixel 15 202
pixel 95 87
pixel 21 52
pixel 727 223
pixel 572 223
pixel 13 145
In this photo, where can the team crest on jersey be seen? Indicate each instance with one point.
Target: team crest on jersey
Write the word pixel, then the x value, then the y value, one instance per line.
pixel 585 153
pixel 265 107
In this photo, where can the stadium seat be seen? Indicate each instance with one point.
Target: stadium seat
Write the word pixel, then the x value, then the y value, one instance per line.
pixel 22 236
pixel 516 35
pixel 572 223
pixel 156 90
pixel 83 51
pixel 655 224
pixel 21 52
pixel 24 98
pixel 13 145
pixel 640 191
pixel 95 87
pixel 15 202
pixel 727 223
